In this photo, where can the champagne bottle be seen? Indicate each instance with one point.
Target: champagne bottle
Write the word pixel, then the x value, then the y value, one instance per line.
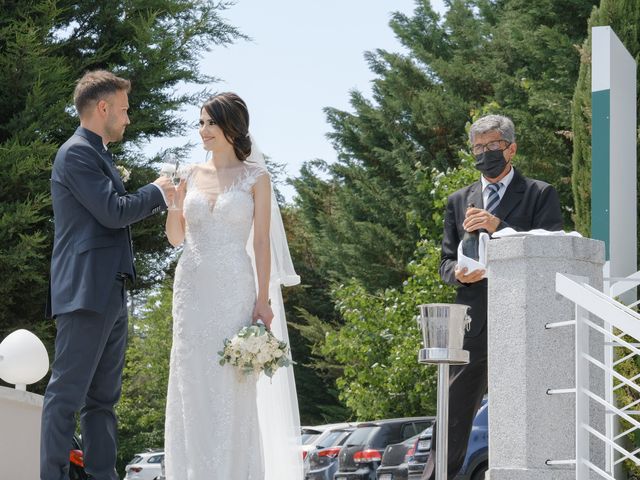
pixel 470 242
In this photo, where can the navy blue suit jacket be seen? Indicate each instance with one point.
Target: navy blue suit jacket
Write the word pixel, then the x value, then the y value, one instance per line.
pixel 92 213
pixel 526 204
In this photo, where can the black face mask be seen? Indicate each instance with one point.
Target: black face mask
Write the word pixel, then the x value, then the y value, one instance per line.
pixel 491 163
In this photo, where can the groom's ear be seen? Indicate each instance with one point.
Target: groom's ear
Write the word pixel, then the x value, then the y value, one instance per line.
pixel 102 106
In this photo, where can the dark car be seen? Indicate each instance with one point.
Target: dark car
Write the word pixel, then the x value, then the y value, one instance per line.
pixel 476 462
pixel 395 459
pixel 322 462
pixel 361 454
pixel 76 460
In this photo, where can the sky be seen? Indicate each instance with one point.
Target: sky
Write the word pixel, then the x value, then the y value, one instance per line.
pixel 303 56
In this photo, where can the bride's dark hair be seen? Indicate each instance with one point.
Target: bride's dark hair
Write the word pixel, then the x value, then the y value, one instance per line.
pixel 230 113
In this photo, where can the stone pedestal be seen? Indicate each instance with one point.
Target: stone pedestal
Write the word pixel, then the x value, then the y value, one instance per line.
pixel 20 414
pixel 527 426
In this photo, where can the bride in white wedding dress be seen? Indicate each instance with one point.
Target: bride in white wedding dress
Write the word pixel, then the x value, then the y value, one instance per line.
pixel 221 423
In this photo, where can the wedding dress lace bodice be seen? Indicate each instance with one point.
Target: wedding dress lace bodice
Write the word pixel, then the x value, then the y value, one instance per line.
pixel 232 208
pixel 212 418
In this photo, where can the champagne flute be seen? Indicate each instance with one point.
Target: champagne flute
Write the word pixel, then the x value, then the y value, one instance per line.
pixel 171 169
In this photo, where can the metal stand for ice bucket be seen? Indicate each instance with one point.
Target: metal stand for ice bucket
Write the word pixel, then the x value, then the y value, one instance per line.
pixel 443 326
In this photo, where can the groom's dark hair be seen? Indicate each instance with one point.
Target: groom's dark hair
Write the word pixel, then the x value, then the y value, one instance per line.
pixel 94 86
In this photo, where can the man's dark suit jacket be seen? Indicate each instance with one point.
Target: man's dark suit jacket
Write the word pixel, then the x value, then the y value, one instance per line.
pixel 92 213
pixel 526 204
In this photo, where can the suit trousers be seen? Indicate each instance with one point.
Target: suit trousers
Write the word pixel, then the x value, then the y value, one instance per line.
pixel 467 387
pixel 86 377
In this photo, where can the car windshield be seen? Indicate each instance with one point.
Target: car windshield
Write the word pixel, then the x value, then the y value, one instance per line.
pixel 412 440
pixel 308 437
pixel 330 438
pixel 135 459
pixel 361 436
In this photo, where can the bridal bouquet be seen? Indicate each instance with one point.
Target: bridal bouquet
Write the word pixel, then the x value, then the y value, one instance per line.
pixel 255 349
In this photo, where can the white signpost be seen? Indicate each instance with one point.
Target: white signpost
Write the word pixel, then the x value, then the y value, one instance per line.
pixel 613 177
pixel 613 162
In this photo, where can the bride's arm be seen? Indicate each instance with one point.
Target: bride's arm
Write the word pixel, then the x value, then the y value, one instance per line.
pixel 175 226
pixel 262 247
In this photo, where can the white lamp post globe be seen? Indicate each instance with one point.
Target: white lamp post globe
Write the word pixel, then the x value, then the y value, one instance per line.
pixel 23 359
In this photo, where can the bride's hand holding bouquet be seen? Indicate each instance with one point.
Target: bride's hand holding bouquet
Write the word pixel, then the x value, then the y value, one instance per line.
pixel 262 311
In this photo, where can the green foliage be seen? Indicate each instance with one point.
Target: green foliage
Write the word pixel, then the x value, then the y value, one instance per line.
pixel 315 376
pixel 581 157
pixel 623 16
pixel 141 411
pixel 377 345
pixel 372 355
pixel 446 183
pixel 24 231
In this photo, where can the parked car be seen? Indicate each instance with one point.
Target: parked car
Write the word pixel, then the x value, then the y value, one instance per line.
pixel 308 434
pixel 395 459
pixel 311 435
pixel 476 462
pixel 144 466
pixel 76 460
pixel 361 454
pixel 322 461
pixel 163 475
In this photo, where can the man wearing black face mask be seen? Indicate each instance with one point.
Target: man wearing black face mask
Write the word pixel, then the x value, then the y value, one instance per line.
pixel 508 200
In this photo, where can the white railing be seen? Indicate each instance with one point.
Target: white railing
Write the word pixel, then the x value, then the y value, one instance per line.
pixel 618 326
pixel 623 290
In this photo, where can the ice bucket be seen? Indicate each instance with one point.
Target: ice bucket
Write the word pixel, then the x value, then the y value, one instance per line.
pixel 443 326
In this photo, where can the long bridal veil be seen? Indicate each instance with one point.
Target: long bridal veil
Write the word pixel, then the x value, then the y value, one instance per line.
pixel 278 413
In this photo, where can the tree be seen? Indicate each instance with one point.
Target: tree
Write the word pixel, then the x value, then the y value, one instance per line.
pixel 315 379
pixel 141 411
pixel 379 341
pixel 45 45
pixel 373 353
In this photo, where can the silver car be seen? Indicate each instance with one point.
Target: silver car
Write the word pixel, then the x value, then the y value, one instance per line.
pixel 322 462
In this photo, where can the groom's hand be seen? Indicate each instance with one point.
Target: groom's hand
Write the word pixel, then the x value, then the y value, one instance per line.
pixel 167 187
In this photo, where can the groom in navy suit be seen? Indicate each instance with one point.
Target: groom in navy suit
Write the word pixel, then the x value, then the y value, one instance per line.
pixel 92 258
pixel 502 198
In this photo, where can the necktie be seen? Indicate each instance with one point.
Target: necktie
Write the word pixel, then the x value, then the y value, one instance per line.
pixel 494 198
